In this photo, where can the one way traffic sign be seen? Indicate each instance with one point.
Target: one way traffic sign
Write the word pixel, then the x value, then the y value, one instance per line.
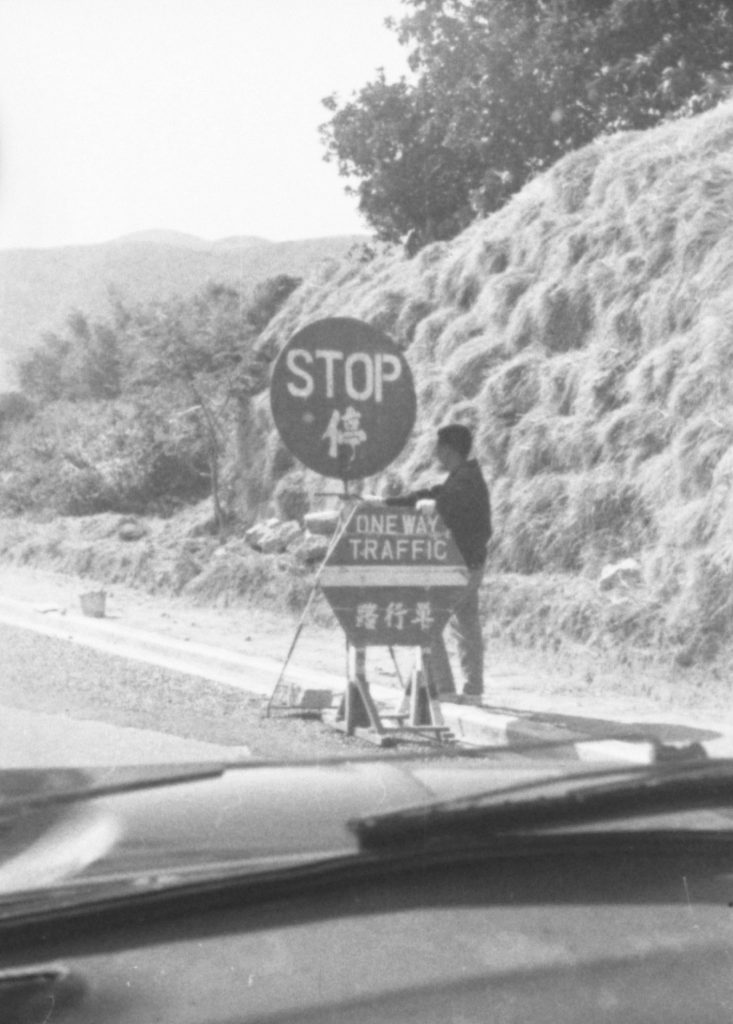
pixel 394 577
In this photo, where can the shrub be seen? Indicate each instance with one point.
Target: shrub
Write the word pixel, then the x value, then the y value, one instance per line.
pixel 531 530
pixel 80 458
pixel 268 298
pixel 513 390
pixel 427 337
pixel 700 447
pixel 413 313
pixel 563 318
pixel 467 368
pixel 14 408
pixel 292 498
pixel 634 434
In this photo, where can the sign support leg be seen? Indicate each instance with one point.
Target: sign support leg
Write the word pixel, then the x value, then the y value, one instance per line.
pixel 424 703
pixel 419 716
pixel 431 693
pixel 420 708
pixel 360 709
pixel 344 521
pixel 417 691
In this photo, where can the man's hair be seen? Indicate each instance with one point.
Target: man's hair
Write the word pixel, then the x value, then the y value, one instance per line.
pixel 457 437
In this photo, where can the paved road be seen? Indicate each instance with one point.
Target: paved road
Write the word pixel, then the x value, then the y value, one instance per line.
pixel 63 703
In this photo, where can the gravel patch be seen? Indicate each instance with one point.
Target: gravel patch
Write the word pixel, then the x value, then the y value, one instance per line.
pixel 46 675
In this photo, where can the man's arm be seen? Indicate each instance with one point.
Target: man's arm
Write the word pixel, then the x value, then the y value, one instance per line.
pixel 413 497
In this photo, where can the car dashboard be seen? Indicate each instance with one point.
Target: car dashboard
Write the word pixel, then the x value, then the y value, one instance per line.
pixel 627 922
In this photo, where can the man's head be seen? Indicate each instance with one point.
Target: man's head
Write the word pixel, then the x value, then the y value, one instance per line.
pixel 454 445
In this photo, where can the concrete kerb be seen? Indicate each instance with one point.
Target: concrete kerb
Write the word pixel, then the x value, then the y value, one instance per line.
pixel 587 739
pixel 484 726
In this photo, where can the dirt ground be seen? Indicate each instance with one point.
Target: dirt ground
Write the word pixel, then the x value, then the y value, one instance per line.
pixel 575 682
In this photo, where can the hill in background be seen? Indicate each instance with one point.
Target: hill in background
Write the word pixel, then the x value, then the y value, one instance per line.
pixel 586 332
pixel 39 287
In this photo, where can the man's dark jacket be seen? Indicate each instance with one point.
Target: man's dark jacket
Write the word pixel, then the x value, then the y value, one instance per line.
pixel 463 503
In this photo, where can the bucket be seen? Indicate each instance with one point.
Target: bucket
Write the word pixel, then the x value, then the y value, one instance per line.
pixel 93 603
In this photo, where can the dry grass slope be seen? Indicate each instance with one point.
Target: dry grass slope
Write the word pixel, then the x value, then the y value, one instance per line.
pixel 586 332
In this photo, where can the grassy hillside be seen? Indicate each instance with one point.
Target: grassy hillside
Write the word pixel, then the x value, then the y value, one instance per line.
pixel 40 286
pixel 586 332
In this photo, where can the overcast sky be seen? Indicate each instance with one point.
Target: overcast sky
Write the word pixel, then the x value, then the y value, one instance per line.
pixel 191 115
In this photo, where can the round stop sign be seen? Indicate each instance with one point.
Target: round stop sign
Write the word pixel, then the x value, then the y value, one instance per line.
pixel 343 398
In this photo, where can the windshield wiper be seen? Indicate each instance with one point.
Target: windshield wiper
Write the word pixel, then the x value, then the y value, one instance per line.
pixel 582 798
pixel 23 790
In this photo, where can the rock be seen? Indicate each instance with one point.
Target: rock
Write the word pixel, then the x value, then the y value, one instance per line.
pixel 272 536
pixel 322 523
pixel 685 657
pixel 131 529
pixel 280 537
pixel 698 651
pixel 254 535
pixel 201 523
pixel 290 530
pixel 623 574
pixel 311 699
pixel 269 542
pixel 310 549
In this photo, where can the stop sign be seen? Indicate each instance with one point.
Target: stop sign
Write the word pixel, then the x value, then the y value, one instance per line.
pixel 343 398
pixel 394 577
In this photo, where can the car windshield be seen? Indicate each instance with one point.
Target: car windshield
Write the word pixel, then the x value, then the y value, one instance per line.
pixel 366 435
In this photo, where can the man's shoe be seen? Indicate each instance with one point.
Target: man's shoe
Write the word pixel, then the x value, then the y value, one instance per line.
pixel 471 698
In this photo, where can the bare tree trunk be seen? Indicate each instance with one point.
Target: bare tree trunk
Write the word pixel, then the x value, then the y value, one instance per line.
pixel 251 459
pixel 213 448
pixel 215 496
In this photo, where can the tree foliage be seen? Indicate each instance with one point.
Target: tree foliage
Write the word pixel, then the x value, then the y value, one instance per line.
pixel 83 361
pixel 135 410
pixel 500 89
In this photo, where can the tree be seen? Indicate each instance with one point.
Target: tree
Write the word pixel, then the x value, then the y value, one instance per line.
pixel 267 299
pixel 181 365
pixel 188 355
pixel 82 362
pixel 410 177
pixel 500 89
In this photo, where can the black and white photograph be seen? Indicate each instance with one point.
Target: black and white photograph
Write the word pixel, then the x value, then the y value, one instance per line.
pixel 366 511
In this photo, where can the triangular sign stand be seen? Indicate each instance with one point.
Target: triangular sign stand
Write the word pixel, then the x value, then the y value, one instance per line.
pixel 287 695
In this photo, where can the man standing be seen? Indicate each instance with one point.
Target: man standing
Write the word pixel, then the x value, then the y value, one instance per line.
pixel 463 503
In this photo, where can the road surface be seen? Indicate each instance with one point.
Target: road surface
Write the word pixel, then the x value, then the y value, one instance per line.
pixel 67 703
pixel 157 680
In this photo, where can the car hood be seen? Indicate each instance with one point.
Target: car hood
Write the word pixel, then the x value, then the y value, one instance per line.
pixel 110 829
